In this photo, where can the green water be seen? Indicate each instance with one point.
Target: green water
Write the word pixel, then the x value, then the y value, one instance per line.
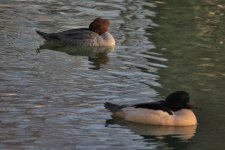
pixel 191 36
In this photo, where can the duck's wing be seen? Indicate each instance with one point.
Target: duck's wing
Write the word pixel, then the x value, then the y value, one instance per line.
pixel 81 34
pixel 113 107
pixel 160 105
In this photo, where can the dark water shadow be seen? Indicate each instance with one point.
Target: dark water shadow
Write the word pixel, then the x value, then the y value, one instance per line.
pixel 96 55
pixel 168 136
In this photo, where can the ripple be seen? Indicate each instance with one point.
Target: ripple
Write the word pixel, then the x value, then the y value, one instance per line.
pixel 54 98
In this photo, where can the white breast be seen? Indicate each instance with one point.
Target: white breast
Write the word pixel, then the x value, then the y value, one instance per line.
pixel 106 39
pixel 183 117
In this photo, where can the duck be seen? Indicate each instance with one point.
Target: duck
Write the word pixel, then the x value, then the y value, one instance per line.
pixel 97 34
pixel 175 110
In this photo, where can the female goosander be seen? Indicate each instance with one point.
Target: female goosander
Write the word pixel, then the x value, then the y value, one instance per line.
pixel 174 111
pixel 96 35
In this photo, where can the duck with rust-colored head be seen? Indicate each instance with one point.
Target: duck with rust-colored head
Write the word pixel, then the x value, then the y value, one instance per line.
pixel 175 110
pixel 96 35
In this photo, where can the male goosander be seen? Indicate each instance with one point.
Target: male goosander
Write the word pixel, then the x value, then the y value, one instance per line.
pixel 174 111
pixel 96 35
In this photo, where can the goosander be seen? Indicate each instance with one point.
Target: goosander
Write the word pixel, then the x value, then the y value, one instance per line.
pixel 175 110
pixel 96 35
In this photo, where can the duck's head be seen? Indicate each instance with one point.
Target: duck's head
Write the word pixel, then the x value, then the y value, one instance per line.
pixel 99 25
pixel 179 100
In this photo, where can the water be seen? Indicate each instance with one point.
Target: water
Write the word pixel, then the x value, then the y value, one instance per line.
pixel 54 99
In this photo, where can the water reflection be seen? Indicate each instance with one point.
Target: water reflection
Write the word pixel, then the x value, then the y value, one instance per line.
pixel 171 137
pixel 96 55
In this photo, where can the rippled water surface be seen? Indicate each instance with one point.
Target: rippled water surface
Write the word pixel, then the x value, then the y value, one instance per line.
pixel 53 98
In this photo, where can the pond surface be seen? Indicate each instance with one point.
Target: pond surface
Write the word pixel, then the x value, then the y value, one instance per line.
pixel 53 98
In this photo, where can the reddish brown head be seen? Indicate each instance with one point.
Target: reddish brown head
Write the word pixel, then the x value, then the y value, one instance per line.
pixel 99 25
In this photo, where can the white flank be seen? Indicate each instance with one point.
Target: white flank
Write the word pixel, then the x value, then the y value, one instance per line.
pixel 183 117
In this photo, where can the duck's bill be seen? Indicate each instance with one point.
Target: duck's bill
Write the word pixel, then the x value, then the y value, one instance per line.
pixel 193 107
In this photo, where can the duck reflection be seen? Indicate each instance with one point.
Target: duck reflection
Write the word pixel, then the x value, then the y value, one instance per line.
pixel 169 136
pixel 97 55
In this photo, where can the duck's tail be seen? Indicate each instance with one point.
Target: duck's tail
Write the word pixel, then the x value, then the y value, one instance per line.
pixel 46 36
pixel 113 107
pixel 42 34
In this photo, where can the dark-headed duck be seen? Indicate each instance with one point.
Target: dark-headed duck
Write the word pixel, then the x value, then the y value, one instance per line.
pixel 175 110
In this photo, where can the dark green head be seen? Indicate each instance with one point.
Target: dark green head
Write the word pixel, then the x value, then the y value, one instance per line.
pixel 178 100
